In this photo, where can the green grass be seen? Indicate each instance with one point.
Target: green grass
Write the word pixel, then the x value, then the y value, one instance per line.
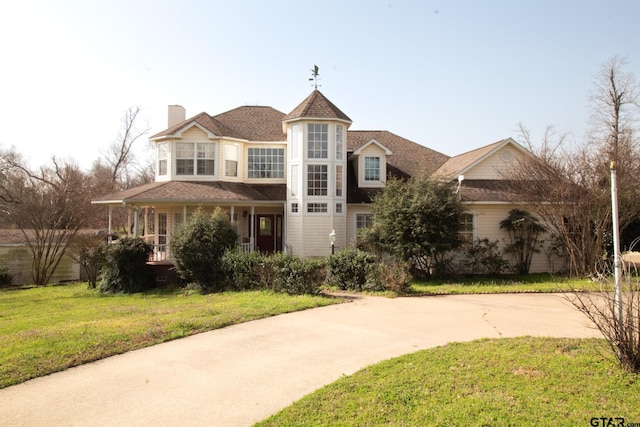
pixel 49 329
pixel 502 284
pixel 517 381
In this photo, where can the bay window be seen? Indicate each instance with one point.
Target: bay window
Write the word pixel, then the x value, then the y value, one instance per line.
pixel 195 158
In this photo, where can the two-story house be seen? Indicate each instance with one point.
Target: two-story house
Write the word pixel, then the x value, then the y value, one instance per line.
pixel 289 180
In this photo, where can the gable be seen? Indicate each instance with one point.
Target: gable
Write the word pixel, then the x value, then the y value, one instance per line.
pixel 495 165
pixel 194 132
pixel 488 162
pixel 373 146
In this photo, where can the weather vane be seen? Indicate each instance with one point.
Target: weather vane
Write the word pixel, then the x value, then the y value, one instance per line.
pixel 315 76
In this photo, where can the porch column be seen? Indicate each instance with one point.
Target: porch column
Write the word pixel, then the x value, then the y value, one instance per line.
pixel 135 222
pixel 252 218
pixel 146 221
pixel 128 221
pixel 184 213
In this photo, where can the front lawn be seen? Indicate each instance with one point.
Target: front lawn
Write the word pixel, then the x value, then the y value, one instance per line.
pixel 502 284
pixel 49 329
pixel 499 382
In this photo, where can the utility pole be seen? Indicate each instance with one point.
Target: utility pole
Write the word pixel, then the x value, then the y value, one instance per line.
pixel 617 259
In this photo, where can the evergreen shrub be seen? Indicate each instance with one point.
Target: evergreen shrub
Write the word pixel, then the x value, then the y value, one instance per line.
pixel 125 269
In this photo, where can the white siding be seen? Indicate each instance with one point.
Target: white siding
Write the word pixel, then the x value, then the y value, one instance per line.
pixel 17 259
pixel 487 220
pixel 491 167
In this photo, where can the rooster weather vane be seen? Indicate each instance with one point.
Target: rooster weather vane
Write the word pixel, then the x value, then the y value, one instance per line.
pixel 315 76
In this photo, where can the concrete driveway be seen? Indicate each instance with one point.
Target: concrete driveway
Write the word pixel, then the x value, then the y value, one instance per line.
pixel 242 374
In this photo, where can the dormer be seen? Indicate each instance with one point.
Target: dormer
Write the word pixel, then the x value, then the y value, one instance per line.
pixel 370 164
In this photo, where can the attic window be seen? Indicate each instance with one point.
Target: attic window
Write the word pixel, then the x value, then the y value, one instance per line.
pixel 506 155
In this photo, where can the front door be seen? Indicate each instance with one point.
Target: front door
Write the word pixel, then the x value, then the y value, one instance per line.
pixel 269 233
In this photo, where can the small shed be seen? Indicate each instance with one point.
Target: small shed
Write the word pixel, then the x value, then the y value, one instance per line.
pixel 16 258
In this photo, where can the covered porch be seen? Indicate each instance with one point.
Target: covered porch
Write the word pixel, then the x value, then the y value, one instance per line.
pixel 154 211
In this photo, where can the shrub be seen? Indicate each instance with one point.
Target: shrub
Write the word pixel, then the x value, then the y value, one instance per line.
pixel 198 245
pixel 393 276
pixel 348 269
pixel 5 277
pixel 90 251
pixel 125 269
pixel 241 270
pixel 283 272
pixel 483 257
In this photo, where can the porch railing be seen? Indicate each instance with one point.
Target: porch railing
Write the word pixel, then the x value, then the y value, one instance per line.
pixel 161 252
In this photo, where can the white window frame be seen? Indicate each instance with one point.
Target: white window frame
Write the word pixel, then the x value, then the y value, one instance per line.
pixel 231 160
pixel 317 141
pixel 372 173
pixel 195 158
pixel 319 179
pixel 339 180
pixel 205 159
pixel 265 162
pixel 466 235
pixel 317 208
pixel 364 220
pixel 163 158
pixel 339 141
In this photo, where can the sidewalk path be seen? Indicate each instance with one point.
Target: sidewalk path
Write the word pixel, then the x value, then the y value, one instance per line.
pixel 242 374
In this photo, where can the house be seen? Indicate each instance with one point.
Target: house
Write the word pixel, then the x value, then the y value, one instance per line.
pixel 289 180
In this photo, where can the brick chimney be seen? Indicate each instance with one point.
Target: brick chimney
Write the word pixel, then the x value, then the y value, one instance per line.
pixel 177 114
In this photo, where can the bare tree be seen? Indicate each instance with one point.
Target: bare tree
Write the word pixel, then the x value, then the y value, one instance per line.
pixel 119 169
pixel 123 165
pixel 564 191
pixel 569 188
pixel 49 206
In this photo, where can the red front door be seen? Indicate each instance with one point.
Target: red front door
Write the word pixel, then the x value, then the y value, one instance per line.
pixel 269 233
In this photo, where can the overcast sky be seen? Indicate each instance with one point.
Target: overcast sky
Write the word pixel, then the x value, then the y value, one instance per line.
pixel 451 75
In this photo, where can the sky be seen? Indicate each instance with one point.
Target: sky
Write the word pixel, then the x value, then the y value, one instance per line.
pixel 450 75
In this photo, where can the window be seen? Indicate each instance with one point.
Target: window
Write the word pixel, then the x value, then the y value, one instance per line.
pixel 466 228
pixel 338 181
pixel 206 159
pixel 162 230
pixel 296 141
pixel 184 158
pixel 339 208
pixel 372 168
pixel 316 207
pixel 294 208
pixel 317 180
pixel 317 141
pixel 231 160
pixel 339 142
pixel 194 158
pixel 266 163
pixel 294 180
pixel 364 220
pixel 163 156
